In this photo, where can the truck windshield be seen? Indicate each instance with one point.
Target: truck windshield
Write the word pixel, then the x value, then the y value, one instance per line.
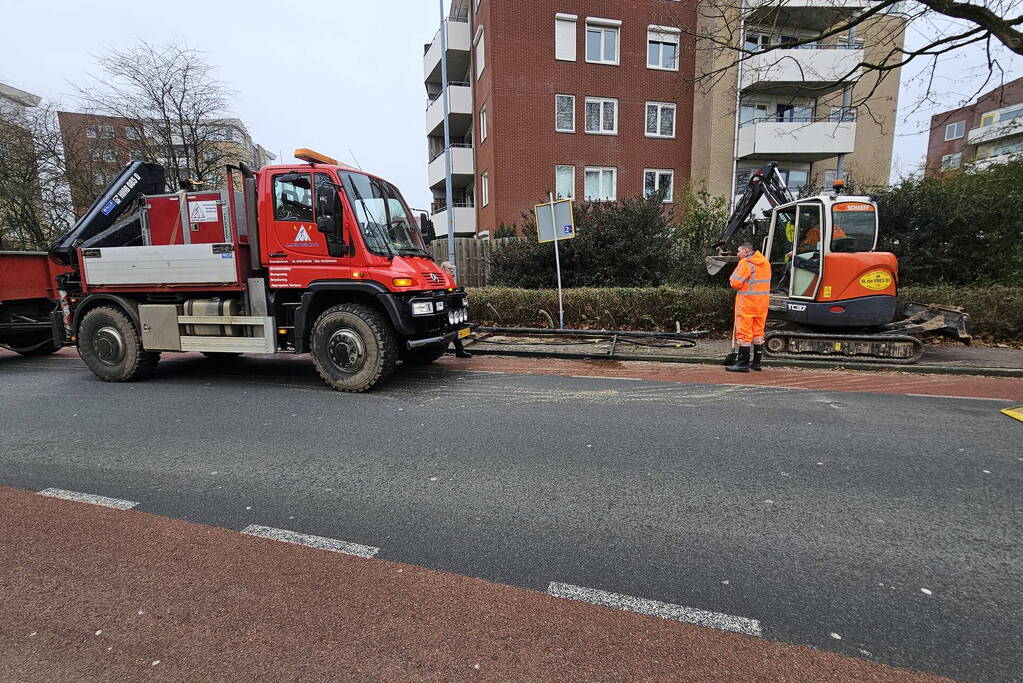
pixel 386 225
pixel 854 227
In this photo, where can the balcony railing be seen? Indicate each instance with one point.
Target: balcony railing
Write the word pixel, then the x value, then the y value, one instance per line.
pixel 430 99
pixel 437 207
pixel 438 154
pixel 848 116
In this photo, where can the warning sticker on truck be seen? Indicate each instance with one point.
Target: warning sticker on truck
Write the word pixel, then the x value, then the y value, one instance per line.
pixel 203 212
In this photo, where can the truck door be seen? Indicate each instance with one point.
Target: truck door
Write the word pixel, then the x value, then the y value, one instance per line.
pixel 807 260
pixel 297 252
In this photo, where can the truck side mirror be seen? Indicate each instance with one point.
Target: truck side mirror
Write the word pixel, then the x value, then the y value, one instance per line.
pixel 426 228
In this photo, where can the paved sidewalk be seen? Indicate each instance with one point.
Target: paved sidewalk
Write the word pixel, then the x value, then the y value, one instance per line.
pixel 98 594
pixel 953 358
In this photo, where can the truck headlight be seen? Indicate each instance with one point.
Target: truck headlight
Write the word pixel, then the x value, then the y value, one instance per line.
pixel 422 308
pixel 451 316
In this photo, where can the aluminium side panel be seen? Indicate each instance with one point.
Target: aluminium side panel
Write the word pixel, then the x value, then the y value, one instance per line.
pixel 173 264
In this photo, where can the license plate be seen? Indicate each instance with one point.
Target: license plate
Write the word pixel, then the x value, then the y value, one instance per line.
pixel 464 332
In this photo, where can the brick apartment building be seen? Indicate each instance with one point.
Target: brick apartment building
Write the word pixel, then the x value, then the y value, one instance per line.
pixel 98 147
pixel 598 99
pixel 578 98
pixel 988 131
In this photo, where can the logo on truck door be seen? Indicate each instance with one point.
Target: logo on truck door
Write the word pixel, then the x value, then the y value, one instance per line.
pixel 303 239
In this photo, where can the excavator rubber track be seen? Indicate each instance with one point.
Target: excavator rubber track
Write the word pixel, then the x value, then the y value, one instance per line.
pixel 898 349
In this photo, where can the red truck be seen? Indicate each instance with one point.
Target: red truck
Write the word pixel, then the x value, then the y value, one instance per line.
pixel 30 320
pixel 313 257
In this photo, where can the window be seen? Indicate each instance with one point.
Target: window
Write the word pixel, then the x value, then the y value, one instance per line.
pixel 839 114
pixel 954 131
pixel 806 261
pixel 135 155
pixel 109 155
pixel 90 131
pixel 854 227
pixel 657 180
pixel 564 113
pixel 1010 115
pixel 564 182
pixel 485 188
pixel 660 120
pixel 99 178
pixel 830 177
pixel 480 52
pixel 950 161
pixel 132 133
pixel 564 37
pixel 483 123
pixel 106 132
pixel 602 41
pixel 756 42
pixel 752 113
pixel 209 155
pixel 794 113
pixel 95 155
pixel 794 180
pixel 293 198
pixel 601 184
pixel 662 48
pixel 601 116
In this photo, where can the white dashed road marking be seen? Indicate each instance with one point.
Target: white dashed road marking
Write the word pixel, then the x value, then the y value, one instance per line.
pixel 89 498
pixel 653 608
pixel 331 544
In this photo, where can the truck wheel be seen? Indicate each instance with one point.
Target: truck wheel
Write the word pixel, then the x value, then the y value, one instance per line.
pixel 353 347
pixel 111 347
pixel 424 355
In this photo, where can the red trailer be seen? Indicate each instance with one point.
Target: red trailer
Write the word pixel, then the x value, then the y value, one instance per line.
pixel 30 320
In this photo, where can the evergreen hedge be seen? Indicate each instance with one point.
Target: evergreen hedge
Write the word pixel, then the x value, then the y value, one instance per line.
pixel 996 311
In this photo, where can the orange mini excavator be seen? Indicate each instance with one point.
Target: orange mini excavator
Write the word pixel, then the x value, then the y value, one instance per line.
pixel 832 293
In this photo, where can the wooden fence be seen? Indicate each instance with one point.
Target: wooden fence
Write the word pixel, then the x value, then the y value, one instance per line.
pixel 472 258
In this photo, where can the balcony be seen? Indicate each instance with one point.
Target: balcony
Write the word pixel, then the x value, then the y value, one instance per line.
pixel 791 71
pixel 459 111
pixel 814 15
pixel 464 217
pixel 996 131
pixel 462 169
pixel 798 140
pixel 458 51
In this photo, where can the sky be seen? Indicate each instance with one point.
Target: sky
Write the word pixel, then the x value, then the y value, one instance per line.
pixel 344 78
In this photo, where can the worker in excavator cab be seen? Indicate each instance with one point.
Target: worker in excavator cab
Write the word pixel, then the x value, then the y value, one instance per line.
pixel 752 282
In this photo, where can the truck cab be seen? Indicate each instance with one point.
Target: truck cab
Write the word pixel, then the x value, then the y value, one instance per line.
pixel 313 257
pixel 824 267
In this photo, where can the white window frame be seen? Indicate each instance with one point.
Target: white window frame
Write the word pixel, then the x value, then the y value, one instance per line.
pixel 958 130
pixel 483 123
pixel 132 133
pixel 601 101
pixel 947 159
pixel 660 113
pixel 566 37
pixel 106 129
pixel 109 156
pixel 485 188
pixel 599 24
pixel 563 130
pixel 663 34
pixel 668 198
pixel 479 52
pixel 557 193
pixel 614 182
pixel 92 132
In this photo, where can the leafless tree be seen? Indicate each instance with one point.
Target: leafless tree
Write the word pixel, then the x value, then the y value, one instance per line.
pixel 721 39
pixel 170 96
pixel 35 201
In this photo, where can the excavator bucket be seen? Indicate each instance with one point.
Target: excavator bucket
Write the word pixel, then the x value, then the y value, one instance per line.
pixel 716 263
pixel 926 319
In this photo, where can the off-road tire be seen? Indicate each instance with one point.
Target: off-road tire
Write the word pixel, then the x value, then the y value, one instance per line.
pixel 424 355
pixel 112 348
pixel 353 347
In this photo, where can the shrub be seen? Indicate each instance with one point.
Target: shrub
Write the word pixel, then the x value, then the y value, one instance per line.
pixel 995 311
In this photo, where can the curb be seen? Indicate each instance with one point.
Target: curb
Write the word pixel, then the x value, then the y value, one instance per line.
pixel 778 363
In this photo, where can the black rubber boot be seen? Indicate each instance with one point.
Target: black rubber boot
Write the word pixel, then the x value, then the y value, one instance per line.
pixel 742 364
pixel 758 358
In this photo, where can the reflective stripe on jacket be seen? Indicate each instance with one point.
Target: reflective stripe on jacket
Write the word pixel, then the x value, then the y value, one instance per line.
pixel 752 280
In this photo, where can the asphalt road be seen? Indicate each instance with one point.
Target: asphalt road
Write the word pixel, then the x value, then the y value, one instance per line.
pixel 892 522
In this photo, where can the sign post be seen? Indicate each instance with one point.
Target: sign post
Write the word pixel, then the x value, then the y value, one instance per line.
pixel 555 221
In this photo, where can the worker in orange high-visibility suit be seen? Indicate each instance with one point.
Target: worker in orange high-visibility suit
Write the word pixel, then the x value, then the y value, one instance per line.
pixel 752 282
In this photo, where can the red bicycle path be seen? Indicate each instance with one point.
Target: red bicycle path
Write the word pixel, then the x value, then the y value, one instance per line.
pixel 90 593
